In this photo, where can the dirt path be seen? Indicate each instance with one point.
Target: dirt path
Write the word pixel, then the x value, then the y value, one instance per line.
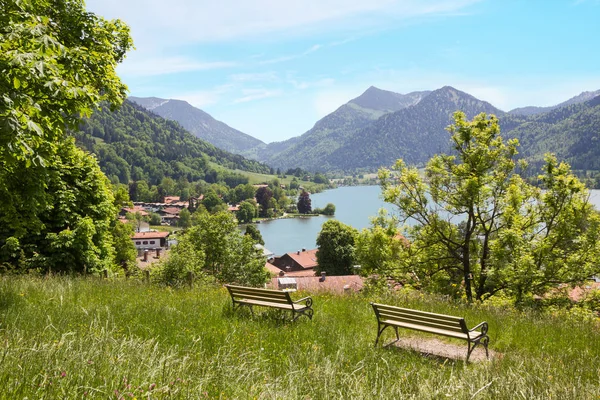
pixel 439 348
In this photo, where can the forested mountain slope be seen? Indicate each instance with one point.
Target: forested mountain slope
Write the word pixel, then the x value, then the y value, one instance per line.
pixel 134 144
pixel 532 110
pixel 310 150
pixel 199 123
pixel 414 133
pixel 572 132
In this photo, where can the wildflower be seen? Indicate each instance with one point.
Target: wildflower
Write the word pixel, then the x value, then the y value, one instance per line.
pixel 63 374
pixel 152 386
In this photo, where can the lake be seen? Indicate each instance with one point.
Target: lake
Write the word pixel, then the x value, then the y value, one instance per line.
pixel 354 205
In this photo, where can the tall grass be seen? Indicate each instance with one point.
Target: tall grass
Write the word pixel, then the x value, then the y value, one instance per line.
pixel 88 338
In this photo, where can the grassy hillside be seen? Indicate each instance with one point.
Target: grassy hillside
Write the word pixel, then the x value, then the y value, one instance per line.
pixel 76 338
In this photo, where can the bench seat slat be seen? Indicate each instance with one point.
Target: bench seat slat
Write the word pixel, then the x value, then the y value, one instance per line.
pixel 281 295
pixel 443 332
pixel 395 319
pixel 260 297
pixel 384 307
pixel 274 305
pixel 266 292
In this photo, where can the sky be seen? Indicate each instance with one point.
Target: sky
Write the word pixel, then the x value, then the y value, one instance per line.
pixel 272 68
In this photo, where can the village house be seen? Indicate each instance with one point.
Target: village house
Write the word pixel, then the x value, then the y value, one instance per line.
pixel 301 262
pixel 169 215
pixel 151 240
pixel 135 209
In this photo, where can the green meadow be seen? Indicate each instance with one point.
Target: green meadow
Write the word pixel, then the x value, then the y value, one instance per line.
pixel 91 338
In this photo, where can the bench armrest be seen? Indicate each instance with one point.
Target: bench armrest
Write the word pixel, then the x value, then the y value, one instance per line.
pixel 308 301
pixel 483 326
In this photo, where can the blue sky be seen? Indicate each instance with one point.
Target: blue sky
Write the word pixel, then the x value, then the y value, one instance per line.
pixel 272 68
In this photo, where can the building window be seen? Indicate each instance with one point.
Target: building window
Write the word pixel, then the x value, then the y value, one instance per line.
pixel 152 242
pixel 145 242
pixel 138 242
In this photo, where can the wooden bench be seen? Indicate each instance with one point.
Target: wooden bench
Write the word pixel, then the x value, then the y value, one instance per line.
pixel 439 324
pixel 249 296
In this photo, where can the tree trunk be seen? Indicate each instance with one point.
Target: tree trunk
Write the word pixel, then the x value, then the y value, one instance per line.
pixel 480 290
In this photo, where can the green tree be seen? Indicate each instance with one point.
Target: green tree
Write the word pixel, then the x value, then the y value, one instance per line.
pixel 380 248
pixel 227 254
pixel 184 257
pixel 125 252
pixel 336 248
pixel 155 219
pixel 246 212
pixel 58 63
pixel 244 192
pixel 254 233
pixel 304 203
pixel 263 198
pixel 211 200
pixel 185 218
pixel 65 225
pixel 479 226
pixel 329 209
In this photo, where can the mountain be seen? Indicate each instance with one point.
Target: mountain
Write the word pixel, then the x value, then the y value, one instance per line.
pixel 199 123
pixel 413 133
pixel 134 144
pixel 571 131
pixel 532 110
pixel 334 130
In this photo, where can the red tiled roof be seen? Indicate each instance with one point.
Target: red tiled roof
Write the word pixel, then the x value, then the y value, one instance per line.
pixel 272 269
pixel 233 208
pixel 172 199
pixel 135 209
pixel 150 235
pixel 307 258
pixel 171 210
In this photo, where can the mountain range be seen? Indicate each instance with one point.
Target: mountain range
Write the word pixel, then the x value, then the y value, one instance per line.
pixel 199 123
pixel 380 126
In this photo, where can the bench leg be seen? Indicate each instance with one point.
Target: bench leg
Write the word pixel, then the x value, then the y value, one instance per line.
pixel 486 340
pixel 296 314
pixel 483 339
pixel 379 332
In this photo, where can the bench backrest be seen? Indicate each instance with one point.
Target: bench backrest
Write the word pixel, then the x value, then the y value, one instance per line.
pixel 431 320
pixel 259 294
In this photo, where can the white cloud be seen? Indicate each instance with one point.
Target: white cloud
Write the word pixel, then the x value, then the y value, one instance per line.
pixel 178 22
pixel 139 65
pixel 312 49
pixel 327 101
pixel 270 76
pixel 203 98
pixel 257 94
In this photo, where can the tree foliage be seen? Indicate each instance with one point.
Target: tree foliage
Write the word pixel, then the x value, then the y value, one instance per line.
pixel 254 233
pixel 58 63
pixel 61 214
pixel 227 254
pixel 478 226
pixel 304 203
pixel 246 212
pixel 336 243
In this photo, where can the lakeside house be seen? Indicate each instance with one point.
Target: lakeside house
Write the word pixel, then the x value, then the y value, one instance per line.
pixel 151 240
pixel 299 263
